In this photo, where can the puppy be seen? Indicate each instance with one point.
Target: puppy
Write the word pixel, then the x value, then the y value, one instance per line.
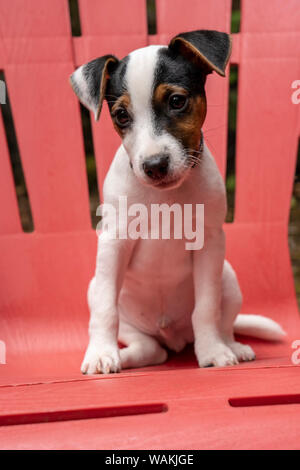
pixel 149 294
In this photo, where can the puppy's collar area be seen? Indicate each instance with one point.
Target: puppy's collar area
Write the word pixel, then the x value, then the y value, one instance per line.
pixel 201 147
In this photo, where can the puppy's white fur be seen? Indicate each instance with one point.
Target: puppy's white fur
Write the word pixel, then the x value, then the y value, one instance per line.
pixel 151 293
pixel 141 141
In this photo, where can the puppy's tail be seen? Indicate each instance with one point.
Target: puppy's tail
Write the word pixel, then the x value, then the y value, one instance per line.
pixel 259 327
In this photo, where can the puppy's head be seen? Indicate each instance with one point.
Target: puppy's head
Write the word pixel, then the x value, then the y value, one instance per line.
pixel 157 101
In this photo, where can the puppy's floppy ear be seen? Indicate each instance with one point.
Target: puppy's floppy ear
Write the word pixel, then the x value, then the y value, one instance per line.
pixel 89 82
pixel 210 49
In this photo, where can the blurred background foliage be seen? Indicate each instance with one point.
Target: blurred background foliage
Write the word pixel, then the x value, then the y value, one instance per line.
pixel 294 223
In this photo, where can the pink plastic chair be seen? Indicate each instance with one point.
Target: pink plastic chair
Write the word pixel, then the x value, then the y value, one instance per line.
pixel 44 274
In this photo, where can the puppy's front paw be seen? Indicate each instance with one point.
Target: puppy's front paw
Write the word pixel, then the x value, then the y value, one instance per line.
pixel 217 354
pixel 101 360
pixel 243 352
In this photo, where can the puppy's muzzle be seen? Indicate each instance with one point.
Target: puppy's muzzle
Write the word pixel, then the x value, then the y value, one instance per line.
pixel 157 166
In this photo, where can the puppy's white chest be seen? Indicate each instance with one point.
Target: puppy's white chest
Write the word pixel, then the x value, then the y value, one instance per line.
pixel 157 296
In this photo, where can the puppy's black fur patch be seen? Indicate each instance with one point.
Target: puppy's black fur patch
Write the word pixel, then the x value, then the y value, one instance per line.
pixel 173 69
pixel 211 48
pixel 94 73
pixel 116 86
pixel 186 63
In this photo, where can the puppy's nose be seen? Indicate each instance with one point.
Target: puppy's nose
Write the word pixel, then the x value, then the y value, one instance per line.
pixel 157 166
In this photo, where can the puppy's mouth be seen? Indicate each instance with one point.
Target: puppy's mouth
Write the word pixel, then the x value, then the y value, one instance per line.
pixel 170 181
pixel 170 184
pixel 163 184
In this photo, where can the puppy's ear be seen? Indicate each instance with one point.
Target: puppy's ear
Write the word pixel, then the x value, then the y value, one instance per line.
pixel 209 49
pixel 89 82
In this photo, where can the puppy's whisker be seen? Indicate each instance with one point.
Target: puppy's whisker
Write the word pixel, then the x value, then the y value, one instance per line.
pixel 192 160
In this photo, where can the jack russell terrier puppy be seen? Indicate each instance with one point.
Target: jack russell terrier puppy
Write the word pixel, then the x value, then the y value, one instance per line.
pixel 151 293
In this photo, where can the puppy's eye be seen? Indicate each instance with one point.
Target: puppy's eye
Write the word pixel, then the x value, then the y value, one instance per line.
pixel 122 118
pixel 177 102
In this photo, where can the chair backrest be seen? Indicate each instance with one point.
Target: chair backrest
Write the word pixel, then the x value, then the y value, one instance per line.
pixel 44 274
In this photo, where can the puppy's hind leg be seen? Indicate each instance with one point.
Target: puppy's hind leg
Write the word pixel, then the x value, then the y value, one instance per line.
pixel 230 308
pixel 141 350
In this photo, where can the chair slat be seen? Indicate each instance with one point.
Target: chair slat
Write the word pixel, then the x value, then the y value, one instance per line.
pixel 111 17
pixel 46 112
pixel 174 16
pixel 267 138
pixel 49 134
pixel 267 134
pixel 270 16
pixel 34 18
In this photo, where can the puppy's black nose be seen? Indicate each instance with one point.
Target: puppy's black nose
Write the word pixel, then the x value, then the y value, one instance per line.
pixel 157 166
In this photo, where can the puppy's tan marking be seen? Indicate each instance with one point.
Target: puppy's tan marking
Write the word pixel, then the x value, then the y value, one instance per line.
pixel 186 126
pixel 122 102
pixel 164 90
